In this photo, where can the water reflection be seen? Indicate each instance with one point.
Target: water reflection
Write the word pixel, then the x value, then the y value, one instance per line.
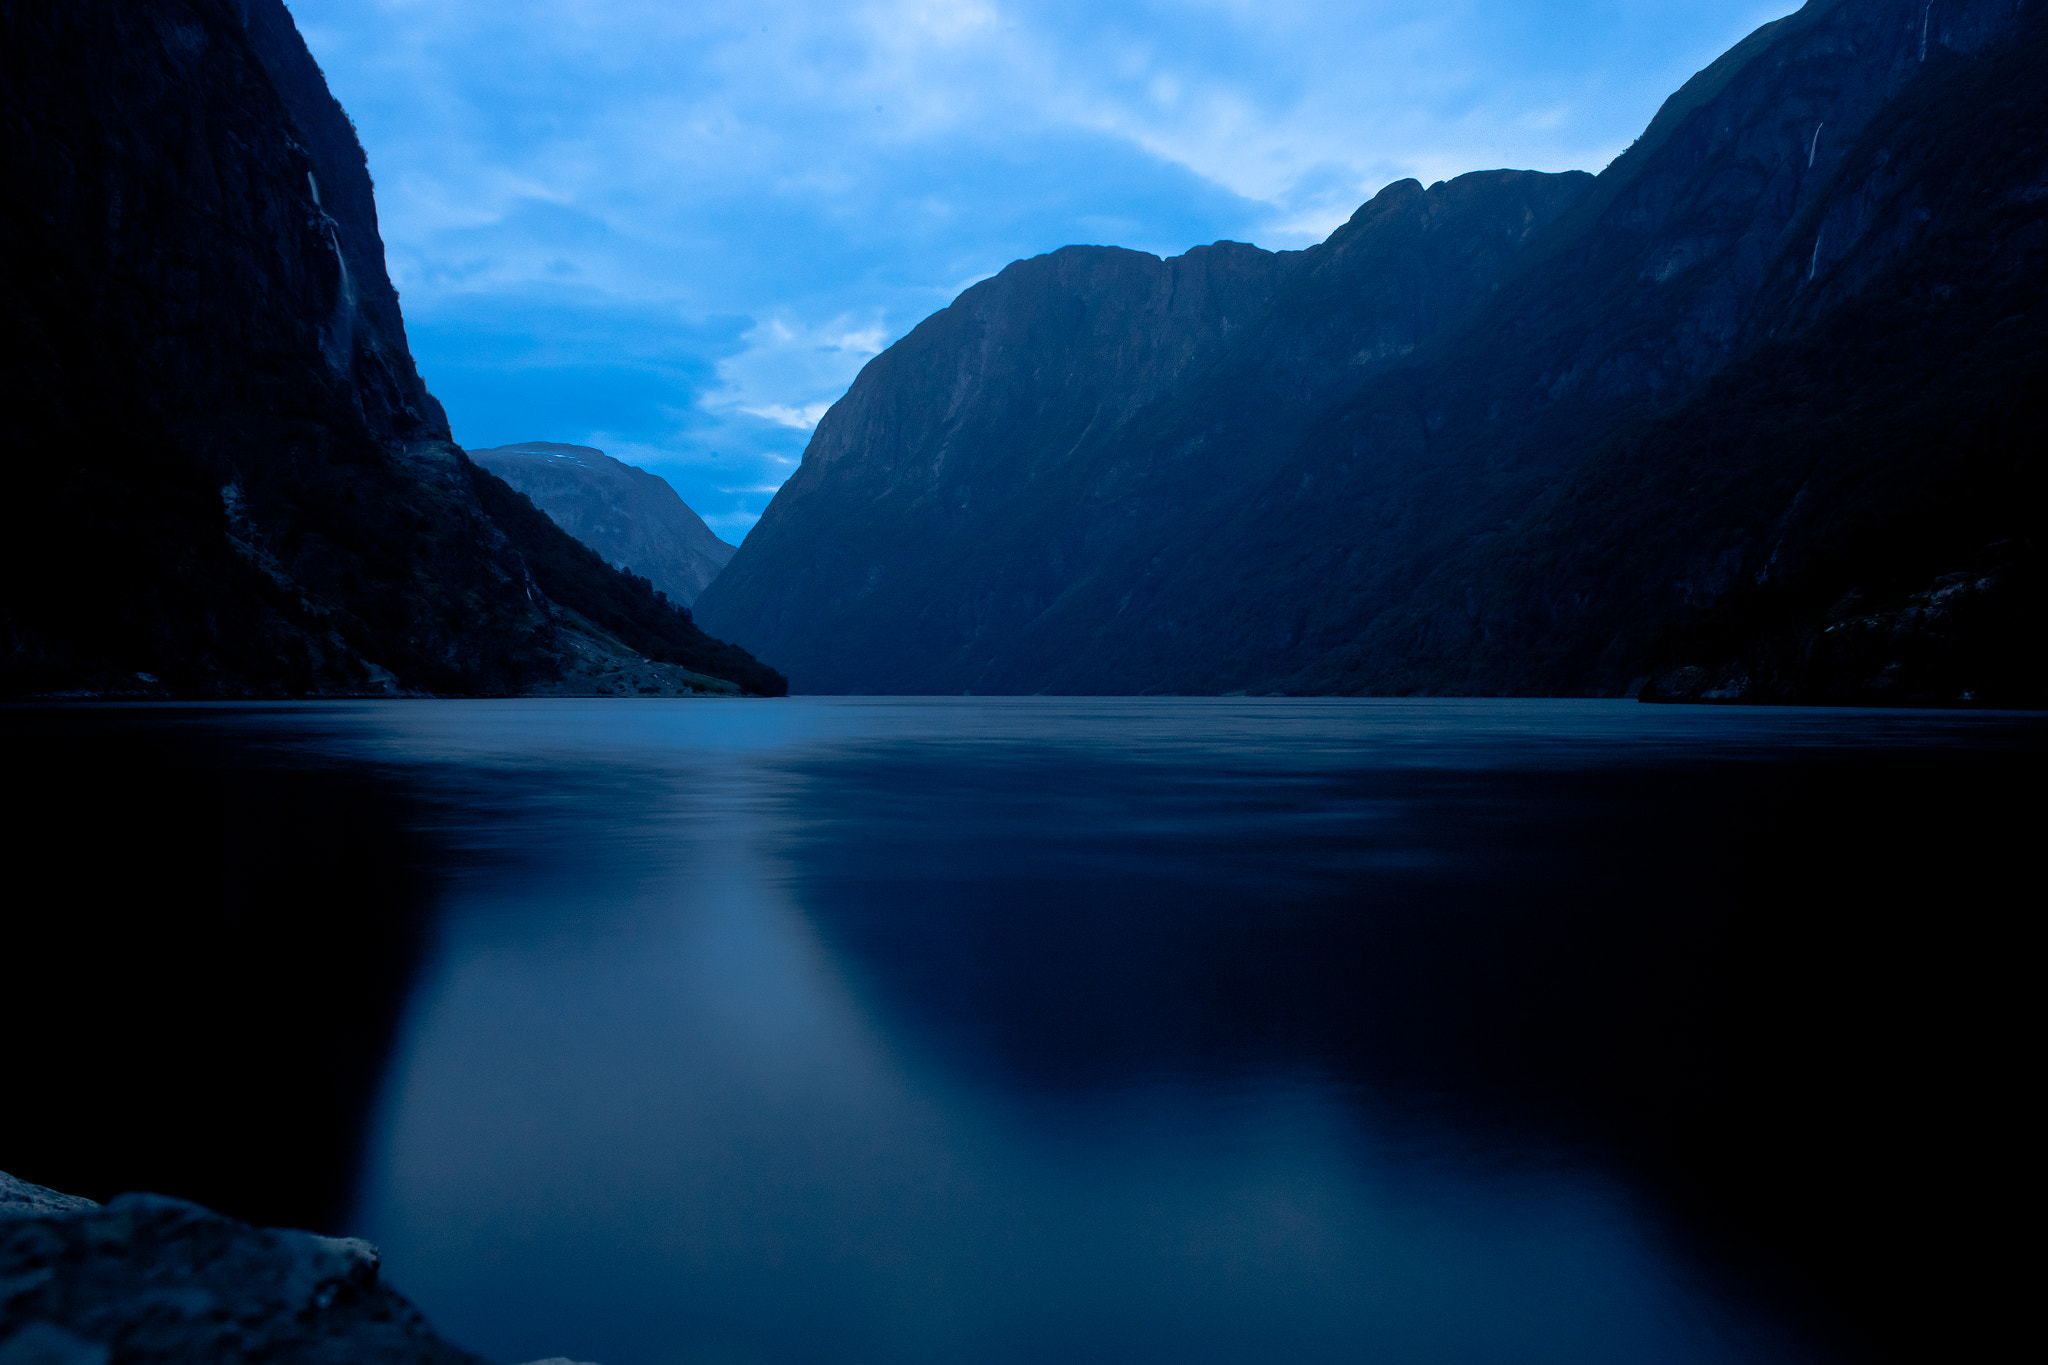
pixel 966 1031
pixel 1053 1030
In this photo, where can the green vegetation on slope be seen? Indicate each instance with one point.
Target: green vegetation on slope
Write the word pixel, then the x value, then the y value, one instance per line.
pixel 625 604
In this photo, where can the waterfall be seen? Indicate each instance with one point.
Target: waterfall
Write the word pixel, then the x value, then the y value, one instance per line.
pixel 340 343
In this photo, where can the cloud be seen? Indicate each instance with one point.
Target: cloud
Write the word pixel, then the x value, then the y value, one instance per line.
pixel 803 419
pixel 791 373
pixel 688 226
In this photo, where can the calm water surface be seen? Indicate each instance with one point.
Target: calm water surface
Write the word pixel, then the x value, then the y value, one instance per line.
pixel 1032 1030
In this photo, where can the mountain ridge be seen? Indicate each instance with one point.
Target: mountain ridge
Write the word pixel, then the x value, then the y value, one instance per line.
pixel 631 517
pixel 1289 508
pixel 1065 406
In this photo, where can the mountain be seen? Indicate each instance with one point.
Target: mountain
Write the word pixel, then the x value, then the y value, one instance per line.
pixel 1753 414
pixel 630 517
pixel 232 480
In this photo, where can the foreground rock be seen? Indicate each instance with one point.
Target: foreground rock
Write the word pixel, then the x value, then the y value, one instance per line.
pixel 146 1278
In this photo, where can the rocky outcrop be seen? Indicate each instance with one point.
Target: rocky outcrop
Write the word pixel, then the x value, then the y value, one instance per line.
pixel 1513 433
pixel 629 516
pixel 239 484
pixel 145 1279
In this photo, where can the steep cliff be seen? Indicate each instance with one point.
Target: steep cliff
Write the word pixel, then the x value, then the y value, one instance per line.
pixel 630 517
pixel 1466 444
pixel 239 484
pixel 1851 510
pixel 1819 475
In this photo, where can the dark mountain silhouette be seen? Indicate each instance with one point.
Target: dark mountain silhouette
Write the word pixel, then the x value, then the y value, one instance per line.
pixel 630 517
pixel 230 479
pixel 1754 414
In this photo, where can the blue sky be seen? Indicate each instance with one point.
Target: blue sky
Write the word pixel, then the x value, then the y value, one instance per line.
pixel 676 231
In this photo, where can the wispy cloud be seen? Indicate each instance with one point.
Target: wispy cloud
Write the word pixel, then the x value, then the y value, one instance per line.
pixel 790 373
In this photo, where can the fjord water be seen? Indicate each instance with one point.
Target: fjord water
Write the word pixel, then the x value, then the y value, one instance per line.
pixel 1018 1030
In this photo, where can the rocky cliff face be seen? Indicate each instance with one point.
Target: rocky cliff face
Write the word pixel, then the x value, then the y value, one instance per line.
pixel 240 485
pixel 1425 456
pixel 1837 499
pixel 629 516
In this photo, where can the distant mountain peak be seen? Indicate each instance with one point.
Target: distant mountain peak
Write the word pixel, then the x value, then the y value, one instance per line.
pixel 631 517
pixel 553 450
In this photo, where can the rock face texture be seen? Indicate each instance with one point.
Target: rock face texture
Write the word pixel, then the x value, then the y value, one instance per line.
pixel 239 485
pixel 149 1279
pixel 629 516
pixel 1754 413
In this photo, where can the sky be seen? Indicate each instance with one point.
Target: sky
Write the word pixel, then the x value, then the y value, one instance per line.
pixel 676 229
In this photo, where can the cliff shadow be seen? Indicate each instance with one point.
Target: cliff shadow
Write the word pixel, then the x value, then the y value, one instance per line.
pixel 210 944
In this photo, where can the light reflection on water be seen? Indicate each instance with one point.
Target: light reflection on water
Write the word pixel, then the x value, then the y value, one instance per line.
pixel 1021 1031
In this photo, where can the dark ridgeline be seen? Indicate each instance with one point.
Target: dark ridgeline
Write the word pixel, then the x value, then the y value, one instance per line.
pixel 1755 414
pixel 231 480
pixel 632 518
